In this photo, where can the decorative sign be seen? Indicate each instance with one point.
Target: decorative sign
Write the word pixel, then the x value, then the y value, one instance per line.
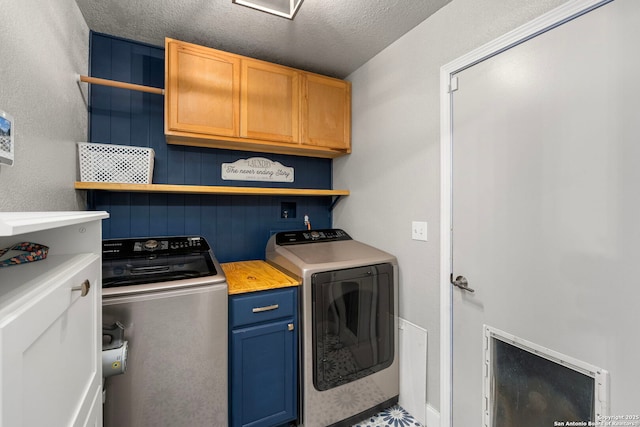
pixel 257 169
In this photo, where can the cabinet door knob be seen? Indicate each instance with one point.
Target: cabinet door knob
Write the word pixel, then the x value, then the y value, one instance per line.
pixel 290 326
pixel 84 288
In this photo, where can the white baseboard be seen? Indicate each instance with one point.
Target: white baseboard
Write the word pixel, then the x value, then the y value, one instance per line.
pixel 413 369
pixel 433 417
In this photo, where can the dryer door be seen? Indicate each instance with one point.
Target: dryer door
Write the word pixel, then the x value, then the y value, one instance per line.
pixel 353 331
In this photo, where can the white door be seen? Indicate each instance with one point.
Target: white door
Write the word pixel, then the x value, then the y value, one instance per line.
pixel 546 207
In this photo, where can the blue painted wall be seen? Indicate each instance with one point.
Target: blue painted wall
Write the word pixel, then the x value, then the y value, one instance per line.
pixel 237 227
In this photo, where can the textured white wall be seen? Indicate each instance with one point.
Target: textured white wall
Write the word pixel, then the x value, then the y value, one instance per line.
pixel 393 172
pixel 43 45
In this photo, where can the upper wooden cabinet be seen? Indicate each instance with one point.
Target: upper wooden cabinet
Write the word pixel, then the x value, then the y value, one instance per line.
pixel 202 90
pixel 269 107
pixel 326 112
pixel 219 99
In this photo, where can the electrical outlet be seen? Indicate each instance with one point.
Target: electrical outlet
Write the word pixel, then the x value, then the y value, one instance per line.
pixel 419 230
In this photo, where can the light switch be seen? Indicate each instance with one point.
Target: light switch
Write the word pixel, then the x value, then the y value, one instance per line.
pixel 419 230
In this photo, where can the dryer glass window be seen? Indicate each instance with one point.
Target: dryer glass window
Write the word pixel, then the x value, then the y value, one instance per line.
pixel 353 319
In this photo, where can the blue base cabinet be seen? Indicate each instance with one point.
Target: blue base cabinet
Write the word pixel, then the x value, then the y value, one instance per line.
pixel 263 360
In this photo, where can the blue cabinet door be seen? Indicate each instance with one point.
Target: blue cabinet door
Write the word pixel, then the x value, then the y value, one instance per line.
pixel 264 374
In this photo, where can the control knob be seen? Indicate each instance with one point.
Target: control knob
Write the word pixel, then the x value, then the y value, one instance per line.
pixel 151 244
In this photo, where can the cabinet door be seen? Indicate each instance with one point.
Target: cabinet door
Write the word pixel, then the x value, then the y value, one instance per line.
pixel 202 90
pixel 326 112
pixel 263 374
pixel 51 351
pixel 270 102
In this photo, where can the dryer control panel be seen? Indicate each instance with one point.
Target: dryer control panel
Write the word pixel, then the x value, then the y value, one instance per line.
pixel 311 236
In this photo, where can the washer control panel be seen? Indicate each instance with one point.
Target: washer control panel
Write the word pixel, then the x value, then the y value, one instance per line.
pixel 178 245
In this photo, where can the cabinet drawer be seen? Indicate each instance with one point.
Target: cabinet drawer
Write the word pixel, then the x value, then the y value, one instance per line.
pixel 261 306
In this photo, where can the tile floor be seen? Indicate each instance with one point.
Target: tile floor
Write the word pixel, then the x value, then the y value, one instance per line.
pixel 394 416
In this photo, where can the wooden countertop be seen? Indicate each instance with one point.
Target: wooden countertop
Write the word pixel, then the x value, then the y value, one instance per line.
pixel 251 276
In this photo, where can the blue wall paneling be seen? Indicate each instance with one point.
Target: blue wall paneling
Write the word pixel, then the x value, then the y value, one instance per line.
pixel 237 227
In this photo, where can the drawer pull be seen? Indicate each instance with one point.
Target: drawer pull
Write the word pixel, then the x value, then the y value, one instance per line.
pixel 84 288
pixel 265 308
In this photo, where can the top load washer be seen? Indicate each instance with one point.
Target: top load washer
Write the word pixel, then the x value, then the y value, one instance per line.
pixel 170 295
pixel 349 343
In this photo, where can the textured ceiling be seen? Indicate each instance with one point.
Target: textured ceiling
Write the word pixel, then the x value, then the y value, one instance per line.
pixel 332 37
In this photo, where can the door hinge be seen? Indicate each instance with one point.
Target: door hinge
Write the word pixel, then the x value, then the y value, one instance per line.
pixel 453 84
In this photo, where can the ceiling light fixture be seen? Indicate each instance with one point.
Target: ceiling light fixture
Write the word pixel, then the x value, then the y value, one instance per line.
pixel 283 8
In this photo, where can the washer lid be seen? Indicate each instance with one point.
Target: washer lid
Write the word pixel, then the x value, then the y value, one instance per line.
pixel 128 262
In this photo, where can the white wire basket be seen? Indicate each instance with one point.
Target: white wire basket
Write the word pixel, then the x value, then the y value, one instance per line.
pixel 115 163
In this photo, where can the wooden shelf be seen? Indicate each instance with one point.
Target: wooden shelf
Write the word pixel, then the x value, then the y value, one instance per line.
pixel 203 189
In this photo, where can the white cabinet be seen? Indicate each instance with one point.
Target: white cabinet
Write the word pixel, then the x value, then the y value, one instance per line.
pixel 50 335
